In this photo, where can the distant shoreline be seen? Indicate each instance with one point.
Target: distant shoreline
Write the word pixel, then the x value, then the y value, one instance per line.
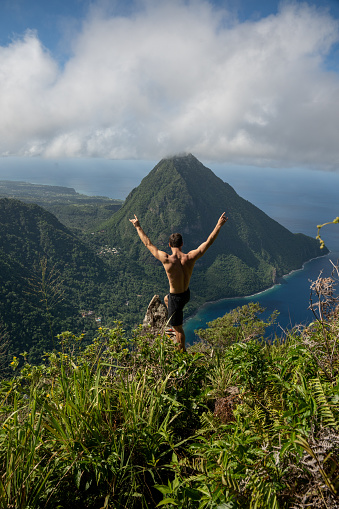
pixel 257 293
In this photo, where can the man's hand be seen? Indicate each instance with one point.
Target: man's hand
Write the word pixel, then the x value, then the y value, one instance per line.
pixel 159 255
pixel 135 222
pixel 222 219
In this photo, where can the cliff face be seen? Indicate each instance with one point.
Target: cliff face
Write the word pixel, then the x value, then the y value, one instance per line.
pixel 181 194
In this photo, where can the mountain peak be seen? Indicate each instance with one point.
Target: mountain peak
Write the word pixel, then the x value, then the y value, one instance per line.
pixel 182 158
pixel 189 168
pixel 181 195
pixel 180 155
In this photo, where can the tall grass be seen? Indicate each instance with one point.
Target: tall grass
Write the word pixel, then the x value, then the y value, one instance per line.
pixel 130 422
pixel 94 429
pixel 25 469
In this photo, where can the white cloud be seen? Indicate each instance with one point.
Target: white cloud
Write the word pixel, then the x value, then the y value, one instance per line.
pixel 176 77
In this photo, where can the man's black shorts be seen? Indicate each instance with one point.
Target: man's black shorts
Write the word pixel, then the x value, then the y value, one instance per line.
pixel 176 303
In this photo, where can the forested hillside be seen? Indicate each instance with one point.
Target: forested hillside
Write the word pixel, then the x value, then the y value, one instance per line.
pixel 51 281
pixel 77 211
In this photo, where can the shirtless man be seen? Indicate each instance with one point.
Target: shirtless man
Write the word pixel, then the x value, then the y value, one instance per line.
pixel 179 267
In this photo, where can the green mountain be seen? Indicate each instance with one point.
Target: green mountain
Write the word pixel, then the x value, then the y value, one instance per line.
pixel 181 194
pixel 49 279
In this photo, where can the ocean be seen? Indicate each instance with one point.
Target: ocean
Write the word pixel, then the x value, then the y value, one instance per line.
pixel 291 299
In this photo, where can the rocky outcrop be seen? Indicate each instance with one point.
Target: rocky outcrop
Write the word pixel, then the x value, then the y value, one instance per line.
pixel 156 317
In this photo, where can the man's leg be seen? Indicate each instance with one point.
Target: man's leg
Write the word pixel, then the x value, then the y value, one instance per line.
pixel 180 337
pixel 179 331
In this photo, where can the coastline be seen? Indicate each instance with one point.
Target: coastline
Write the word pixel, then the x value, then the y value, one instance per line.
pixel 228 299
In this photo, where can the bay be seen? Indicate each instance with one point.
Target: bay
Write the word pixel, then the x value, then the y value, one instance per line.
pixel 291 298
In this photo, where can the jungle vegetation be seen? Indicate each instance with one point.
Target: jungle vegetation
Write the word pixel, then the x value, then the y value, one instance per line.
pixel 50 280
pixel 128 421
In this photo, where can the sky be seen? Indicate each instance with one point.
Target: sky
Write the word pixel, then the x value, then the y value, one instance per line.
pixel 252 83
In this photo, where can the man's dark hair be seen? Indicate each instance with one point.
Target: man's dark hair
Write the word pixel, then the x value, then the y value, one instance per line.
pixel 175 240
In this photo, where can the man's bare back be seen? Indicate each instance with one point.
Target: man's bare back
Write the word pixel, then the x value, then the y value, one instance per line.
pixel 178 265
pixel 179 270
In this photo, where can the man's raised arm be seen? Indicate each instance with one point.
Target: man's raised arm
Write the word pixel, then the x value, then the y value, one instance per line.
pixel 160 255
pixel 201 250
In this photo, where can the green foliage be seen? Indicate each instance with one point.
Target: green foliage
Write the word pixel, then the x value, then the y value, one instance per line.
pixel 104 421
pixel 241 324
pixel 275 441
pixel 25 471
pixel 322 243
pixel 129 421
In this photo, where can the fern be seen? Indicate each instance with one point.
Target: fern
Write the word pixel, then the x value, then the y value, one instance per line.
pixel 317 460
pixel 263 495
pixel 324 408
pixel 208 423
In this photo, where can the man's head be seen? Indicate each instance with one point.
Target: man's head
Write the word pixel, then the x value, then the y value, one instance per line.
pixel 175 240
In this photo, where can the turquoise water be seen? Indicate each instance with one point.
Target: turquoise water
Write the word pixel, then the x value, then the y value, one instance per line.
pixel 290 298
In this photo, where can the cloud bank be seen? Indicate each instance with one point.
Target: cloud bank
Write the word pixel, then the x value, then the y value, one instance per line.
pixel 178 77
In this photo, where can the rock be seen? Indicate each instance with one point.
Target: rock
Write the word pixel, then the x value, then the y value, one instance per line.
pixel 224 406
pixel 156 316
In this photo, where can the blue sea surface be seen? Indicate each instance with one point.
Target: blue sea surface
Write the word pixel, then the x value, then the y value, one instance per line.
pixel 291 298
